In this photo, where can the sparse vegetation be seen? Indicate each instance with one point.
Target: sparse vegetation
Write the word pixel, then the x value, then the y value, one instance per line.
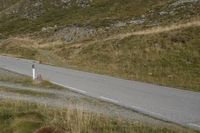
pixel 26 92
pixel 8 76
pixel 23 117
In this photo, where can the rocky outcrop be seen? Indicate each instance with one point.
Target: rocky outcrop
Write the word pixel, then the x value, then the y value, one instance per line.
pixel 32 9
pixel 69 3
pixel 68 34
pixel 181 2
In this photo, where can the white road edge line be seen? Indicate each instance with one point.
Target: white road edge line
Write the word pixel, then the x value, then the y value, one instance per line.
pixel 117 102
pixel 148 112
pixel 109 99
pixel 194 125
pixel 69 87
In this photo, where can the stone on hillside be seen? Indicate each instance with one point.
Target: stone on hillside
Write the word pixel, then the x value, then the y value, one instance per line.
pixel 73 33
pixel 163 13
pixel 137 21
pixel 180 2
pixel 120 24
pixel 83 3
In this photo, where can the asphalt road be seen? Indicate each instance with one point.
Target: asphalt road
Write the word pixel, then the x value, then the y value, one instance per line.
pixel 179 106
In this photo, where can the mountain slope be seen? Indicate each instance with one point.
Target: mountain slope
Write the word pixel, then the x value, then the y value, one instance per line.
pixel 30 16
pixel 152 41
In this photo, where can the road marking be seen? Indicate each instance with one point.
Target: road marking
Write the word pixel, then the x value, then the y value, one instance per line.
pixel 194 125
pixel 109 99
pixel 69 87
pixel 148 112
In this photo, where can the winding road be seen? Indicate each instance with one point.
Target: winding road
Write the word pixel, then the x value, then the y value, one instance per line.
pixel 170 104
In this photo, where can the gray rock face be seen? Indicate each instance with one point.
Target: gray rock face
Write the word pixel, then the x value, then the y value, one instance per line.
pixel 120 24
pixel 137 21
pixel 73 33
pixel 32 9
pixel 180 2
pixel 163 13
pixel 83 3
pixel 69 3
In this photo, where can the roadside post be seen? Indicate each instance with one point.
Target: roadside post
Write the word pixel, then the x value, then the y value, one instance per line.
pixel 33 72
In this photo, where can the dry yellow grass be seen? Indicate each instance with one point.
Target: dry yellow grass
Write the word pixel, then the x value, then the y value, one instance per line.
pixel 24 117
pixel 155 30
pixel 38 43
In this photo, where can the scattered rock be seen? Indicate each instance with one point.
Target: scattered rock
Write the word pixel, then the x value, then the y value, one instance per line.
pixel 120 24
pixel 49 29
pixel 83 3
pixel 137 21
pixel 170 76
pixel 44 29
pixel 150 74
pixel 180 2
pixel 163 13
pixel 69 3
pixel 172 13
pixel 32 9
pixel 72 34
pixel 143 16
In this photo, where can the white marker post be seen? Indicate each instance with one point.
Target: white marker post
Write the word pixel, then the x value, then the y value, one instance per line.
pixel 33 72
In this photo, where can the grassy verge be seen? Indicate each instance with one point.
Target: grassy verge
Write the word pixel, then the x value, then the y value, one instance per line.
pixel 23 117
pixel 27 92
pixel 7 76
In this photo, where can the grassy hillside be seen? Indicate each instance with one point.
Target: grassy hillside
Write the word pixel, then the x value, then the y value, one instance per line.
pixel 26 16
pixel 4 4
pixel 100 13
pixel 128 38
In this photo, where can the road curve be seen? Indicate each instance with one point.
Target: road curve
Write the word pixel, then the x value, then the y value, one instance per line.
pixel 179 106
